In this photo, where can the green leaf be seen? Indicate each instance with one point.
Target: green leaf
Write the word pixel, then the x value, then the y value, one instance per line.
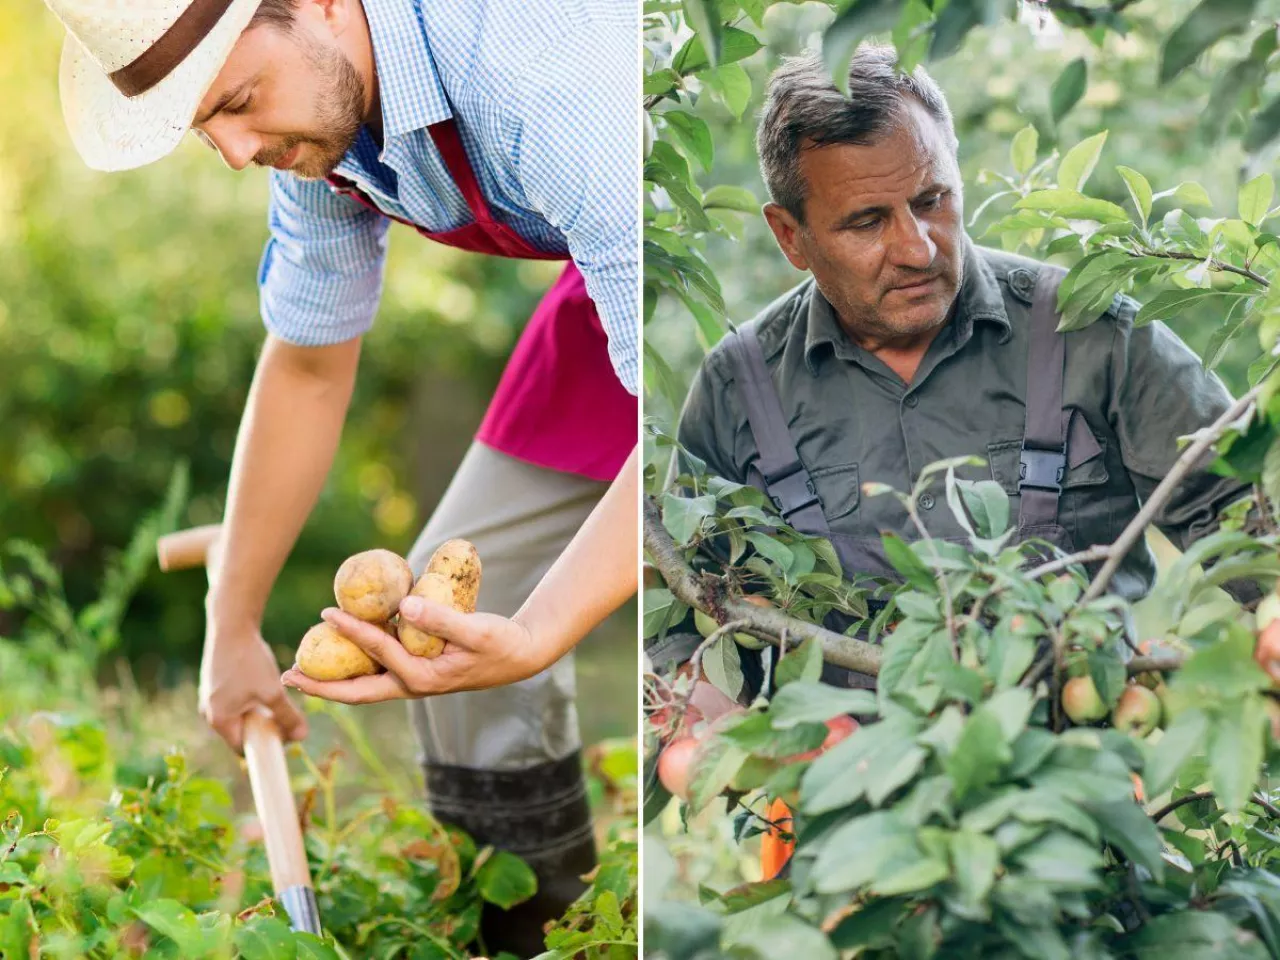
pixel 905 561
pixel 1068 88
pixel 980 754
pixel 854 22
pixel 265 938
pixel 694 133
pixel 704 17
pixel 735 45
pixel 715 764
pixel 859 851
pixel 1126 826
pixel 1264 127
pixel 1078 163
pixel 1254 199
pixel 722 664
pixel 1237 744
pixel 1139 191
pixel 660 82
pixel 771 549
pixel 808 701
pixel 975 858
pixel 782 935
pixel 1073 205
pixel 733 85
pixel 506 880
pixel 804 663
pixel 683 516
pixel 1204 26
pixel 724 196
pixel 1170 303
pixel 1023 149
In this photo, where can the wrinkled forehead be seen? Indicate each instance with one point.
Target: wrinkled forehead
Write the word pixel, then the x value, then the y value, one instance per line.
pixel 914 152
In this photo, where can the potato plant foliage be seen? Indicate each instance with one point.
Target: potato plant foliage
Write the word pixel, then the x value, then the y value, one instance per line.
pixel 968 817
pixel 113 846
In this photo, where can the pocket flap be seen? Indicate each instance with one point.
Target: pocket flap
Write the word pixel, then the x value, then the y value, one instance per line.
pixel 1082 445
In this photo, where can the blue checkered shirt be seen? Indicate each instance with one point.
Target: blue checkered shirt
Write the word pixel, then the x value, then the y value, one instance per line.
pixel 544 93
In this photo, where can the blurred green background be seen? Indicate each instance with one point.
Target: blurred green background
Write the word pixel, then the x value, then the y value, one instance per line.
pixel 129 329
pixel 997 83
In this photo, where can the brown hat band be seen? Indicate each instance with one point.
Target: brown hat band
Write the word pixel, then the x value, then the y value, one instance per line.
pixel 174 46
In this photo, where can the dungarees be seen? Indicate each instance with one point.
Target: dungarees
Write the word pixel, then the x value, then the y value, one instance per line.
pixel 781 474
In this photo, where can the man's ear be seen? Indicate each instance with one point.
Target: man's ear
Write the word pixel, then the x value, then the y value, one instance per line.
pixel 332 16
pixel 786 230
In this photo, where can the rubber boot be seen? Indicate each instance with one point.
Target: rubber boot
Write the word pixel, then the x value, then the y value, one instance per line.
pixel 541 815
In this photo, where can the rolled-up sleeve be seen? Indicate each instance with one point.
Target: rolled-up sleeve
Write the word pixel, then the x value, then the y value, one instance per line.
pixel 577 156
pixel 321 274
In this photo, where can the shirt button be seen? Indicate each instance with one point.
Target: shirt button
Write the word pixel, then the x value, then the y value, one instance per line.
pixel 911 400
pixel 926 501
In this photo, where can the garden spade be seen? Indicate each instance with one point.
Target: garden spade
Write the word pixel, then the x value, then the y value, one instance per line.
pixel 264 756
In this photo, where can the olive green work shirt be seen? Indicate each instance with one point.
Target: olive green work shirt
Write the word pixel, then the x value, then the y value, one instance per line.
pixel 1129 391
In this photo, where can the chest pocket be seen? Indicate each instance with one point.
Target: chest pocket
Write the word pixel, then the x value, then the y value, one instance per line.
pixel 1086 457
pixel 838 489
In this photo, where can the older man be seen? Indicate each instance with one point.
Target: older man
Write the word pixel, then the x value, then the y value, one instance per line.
pixel 471 123
pixel 909 344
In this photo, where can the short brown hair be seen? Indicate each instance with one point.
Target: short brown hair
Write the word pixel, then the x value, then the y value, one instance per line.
pixel 804 107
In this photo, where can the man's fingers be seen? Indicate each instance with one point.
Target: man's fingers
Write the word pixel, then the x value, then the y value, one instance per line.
pixel 230 728
pixel 371 638
pixel 440 620
pixel 290 720
pixel 370 689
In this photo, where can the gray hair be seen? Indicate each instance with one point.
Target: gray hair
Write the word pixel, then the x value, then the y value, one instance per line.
pixel 804 108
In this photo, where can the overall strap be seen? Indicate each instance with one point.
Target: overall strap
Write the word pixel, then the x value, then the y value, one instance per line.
pixel 1043 462
pixel 786 481
pixel 449 142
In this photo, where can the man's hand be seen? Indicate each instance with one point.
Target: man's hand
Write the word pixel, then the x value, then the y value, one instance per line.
pixel 481 650
pixel 238 672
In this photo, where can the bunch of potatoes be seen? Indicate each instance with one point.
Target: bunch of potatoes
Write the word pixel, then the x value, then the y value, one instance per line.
pixel 370 586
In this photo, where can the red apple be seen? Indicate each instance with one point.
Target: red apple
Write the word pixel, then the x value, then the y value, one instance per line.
pixel 675 766
pixel 1137 712
pixel 1081 700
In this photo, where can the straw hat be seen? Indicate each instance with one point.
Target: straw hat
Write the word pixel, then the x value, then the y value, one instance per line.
pixel 134 71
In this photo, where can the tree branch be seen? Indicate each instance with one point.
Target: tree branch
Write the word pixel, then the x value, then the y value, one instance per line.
pixel 1100 552
pixel 1173 805
pixel 709 595
pixel 1160 496
pixel 1213 264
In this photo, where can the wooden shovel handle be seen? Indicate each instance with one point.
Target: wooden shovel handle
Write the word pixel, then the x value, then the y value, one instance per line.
pixel 264 756
pixel 187 548
pixel 269 777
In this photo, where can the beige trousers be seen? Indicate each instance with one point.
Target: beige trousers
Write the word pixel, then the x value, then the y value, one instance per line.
pixel 520 517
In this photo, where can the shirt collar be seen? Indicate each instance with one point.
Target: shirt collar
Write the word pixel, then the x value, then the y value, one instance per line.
pixel 408 84
pixel 980 298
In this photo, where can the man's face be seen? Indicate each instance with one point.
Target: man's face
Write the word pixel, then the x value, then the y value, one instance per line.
pixel 288 98
pixel 883 229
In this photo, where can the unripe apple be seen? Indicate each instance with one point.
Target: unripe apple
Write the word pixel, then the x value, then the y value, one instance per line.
pixel 705 624
pixel 745 639
pixel 838 728
pixel 1081 701
pixel 1268 610
pixel 675 766
pixel 1137 712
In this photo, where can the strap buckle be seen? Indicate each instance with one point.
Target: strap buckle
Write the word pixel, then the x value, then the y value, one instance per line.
pixel 791 489
pixel 1042 469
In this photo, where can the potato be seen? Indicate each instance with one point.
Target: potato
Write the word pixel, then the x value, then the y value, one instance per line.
pixel 458 560
pixel 325 654
pixel 370 585
pixel 430 586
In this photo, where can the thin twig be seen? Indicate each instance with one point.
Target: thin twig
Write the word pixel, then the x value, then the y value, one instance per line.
pixel 1160 496
pixel 709 595
pixel 1213 264
pixel 939 575
pixel 1266 805
pixel 1173 805
pixel 1099 552
pixel 695 662
pixel 1161 663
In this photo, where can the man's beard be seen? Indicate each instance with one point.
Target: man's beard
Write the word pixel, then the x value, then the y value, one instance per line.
pixel 339 111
